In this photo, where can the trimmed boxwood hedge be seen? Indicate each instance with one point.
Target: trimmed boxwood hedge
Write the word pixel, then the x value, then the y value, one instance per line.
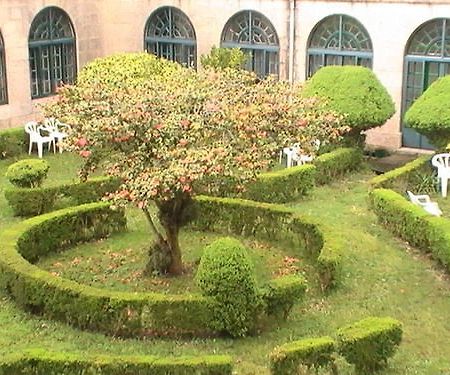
pixel 36 201
pixel 369 343
pixel 406 220
pixel 309 352
pixel 126 314
pixel 13 142
pixel 273 223
pixel 42 362
pixel 337 163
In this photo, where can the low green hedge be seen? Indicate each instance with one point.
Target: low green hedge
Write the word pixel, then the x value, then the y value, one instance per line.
pixel 311 352
pixel 273 223
pixel 336 163
pixel 115 313
pixel 369 343
pixel 36 201
pixel 403 178
pixel 13 142
pixel 27 173
pixel 42 362
pixel 413 223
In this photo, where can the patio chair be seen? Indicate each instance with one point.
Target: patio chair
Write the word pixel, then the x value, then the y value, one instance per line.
pixel 57 130
pixel 425 202
pixel 291 153
pixel 33 129
pixel 441 162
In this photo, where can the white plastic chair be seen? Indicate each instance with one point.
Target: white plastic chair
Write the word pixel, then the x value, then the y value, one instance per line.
pixel 425 202
pixel 57 130
pixel 441 162
pixel 34 131
pixel 291 154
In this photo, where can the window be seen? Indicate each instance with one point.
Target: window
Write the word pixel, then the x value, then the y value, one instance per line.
pixel 427 57
pixel 338 40
pixel 255 35
pixel 52 54
pixel 170 34
pixel 3 87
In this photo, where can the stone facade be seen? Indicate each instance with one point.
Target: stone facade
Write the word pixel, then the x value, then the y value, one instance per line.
pixel 103 27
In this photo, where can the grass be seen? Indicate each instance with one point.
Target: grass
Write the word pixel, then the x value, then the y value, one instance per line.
pixel 381 276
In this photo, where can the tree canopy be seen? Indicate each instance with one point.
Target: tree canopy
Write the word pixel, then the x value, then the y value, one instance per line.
pixel 430 113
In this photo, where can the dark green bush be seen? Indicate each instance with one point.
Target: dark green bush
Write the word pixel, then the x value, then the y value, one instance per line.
pixel 41 362
pixel 12 142
pixel 369 343
pixel 226 274
pixel 430 113
pixel 27 173
pixel 282 293
pixel 32 202
pixel 311 352
pixel 222 58
pixel 354 92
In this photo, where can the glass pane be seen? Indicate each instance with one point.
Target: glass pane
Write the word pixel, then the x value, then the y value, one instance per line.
pixel 51 23
pixel 315 62
pixel 427 40
pixel 349 60
pixel 333 60
pixel 272 58
pixel 44 71
pixel 3 93
pixel 69 65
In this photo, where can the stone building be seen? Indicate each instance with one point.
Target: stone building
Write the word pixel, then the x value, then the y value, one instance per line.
pixel 405 42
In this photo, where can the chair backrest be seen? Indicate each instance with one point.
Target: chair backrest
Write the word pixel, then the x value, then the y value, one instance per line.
pixel 31 127
pixel 441 160
pixel 51 123
pixel 412 197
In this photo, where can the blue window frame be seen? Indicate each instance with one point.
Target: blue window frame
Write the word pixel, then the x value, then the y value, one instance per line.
pixel 169 34
pixel 52 52
pixel 255 35
pixel 338 40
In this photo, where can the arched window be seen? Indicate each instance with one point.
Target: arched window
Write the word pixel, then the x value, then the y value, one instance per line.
pixel 427 57
pixel 170 34
pixel 254 34
pixel 3 87
pixel 52 52
pixel 338 40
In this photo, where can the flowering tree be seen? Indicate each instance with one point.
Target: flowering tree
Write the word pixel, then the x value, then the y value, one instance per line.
pixel 170 132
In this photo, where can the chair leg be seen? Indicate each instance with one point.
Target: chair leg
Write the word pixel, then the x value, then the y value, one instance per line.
pixel 444 182
pixel 30 147
pixel 59 145
pixel 39 146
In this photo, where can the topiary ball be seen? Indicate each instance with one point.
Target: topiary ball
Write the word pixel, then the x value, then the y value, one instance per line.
pixel 27 173
pixel 226 274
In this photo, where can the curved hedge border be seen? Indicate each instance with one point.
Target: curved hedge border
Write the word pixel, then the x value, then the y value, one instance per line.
pixel 273 223
pixel 408 221
pixel 125 314
pixel 40 362
pixel 36 201
pixel 13 142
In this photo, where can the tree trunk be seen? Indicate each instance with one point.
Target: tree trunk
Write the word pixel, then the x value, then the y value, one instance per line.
pixel 176 265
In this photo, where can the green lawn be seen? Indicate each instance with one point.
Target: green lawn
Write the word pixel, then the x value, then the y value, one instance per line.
pixel 381 276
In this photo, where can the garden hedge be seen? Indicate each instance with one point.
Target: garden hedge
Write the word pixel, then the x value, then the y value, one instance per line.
pixel 13 142
pixel 310 352
pixel 42 362
pixel 276 224
pixel 290 184
pixel 369 343
pixel 126 314
pixel 430 113
pixel 406 220
pixel 36 201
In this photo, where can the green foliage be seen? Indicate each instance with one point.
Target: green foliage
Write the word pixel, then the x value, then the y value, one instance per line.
pixel 36 201
pixel 430 113
pixel 222 58
pixel 42 362
pixel 310 352
pixel 285 185
pixel 369 343
pixel 85 307
pixel 282 293
pixel 12 142
pixel 226 274
pixel 27 173
pixel 403 178
pixel 353 91
pixel 413 223
pixel 336 163
pixel 273 223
